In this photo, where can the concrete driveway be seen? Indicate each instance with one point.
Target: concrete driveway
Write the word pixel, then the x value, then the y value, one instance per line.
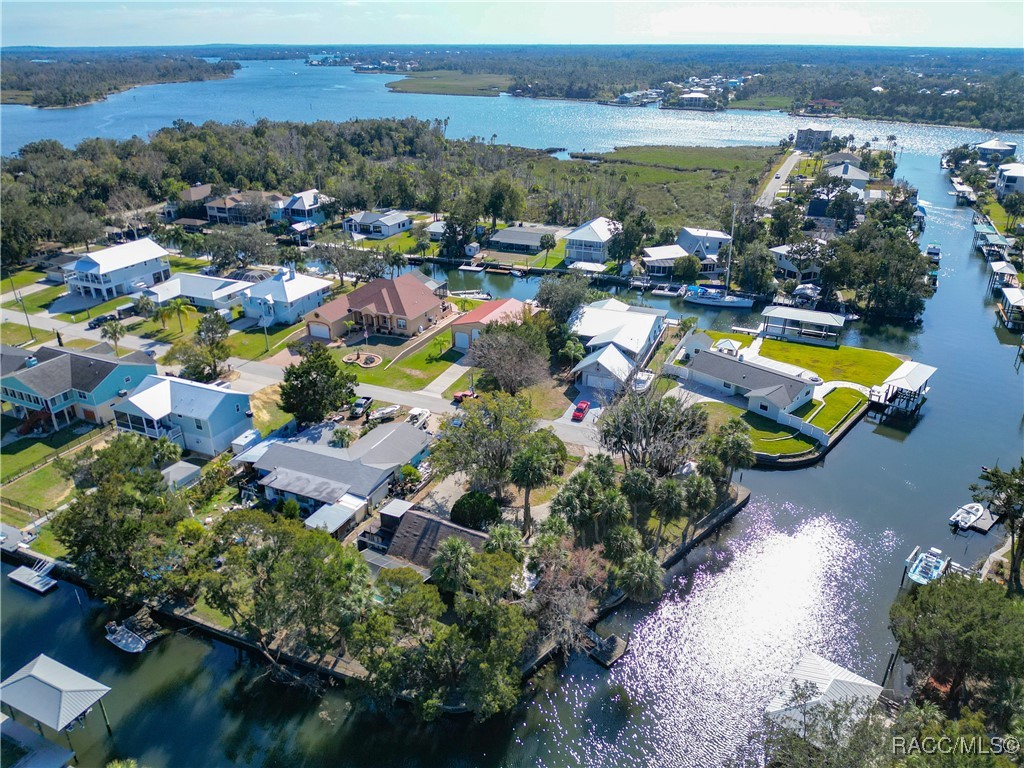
pixel 596 400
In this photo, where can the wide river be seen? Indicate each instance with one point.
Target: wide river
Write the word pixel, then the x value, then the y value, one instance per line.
pixel 813 563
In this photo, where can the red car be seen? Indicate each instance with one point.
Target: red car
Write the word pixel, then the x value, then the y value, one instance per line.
pixel 581 410
pixel 464 395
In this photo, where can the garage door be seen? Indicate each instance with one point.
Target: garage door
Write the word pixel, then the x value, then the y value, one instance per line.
pixel 597 381
pixel 461 340
pixel 319 331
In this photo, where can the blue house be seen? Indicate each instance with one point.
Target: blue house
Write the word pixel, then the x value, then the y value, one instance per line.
pixel 55 385
pixel 284 298
pixel 201 418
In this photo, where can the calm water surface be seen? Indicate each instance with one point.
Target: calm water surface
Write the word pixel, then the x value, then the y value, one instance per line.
pixel 813 563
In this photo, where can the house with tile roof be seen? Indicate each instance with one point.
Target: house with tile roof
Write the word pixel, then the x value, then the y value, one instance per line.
pixel 56 385
pixel 468 328
pixel 202 418
pixel 402 306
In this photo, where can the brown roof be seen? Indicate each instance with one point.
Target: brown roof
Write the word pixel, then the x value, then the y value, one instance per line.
pixel 420 534
pixel 498 310
pixel 196 193
pixel 332 311
pixel 404 296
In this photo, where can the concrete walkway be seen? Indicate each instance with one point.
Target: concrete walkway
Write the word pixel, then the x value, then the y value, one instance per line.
pixel 441 383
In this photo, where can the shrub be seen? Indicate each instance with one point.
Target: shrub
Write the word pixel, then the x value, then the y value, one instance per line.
pixel 476 510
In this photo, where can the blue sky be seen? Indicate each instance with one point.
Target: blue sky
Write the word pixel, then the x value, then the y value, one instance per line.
pixel 960 23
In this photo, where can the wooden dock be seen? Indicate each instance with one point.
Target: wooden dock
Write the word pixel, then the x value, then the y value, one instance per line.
pixel 606 650
pixel 986 522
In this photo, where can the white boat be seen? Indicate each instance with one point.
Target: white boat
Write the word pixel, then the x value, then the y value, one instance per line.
pixel 418 417
pixel 387 412
pixel 933 252
pixel 124 638
pixel 709 297
pixel 480 295
pixel 134 633
pixel 923 567
pixel 470 268
pixel 666 289
pixel 966 516
pixel 517 273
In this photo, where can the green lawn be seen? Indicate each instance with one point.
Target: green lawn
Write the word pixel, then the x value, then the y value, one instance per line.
pixel 839 403
pixel 106 308
pixel 20 278
pixel 46 544
pixel 861 366
pixel 762 102
pixel 187 264
pixel 807 409
pixel 27 451
pixel 16 334
pixel 251 344
pixel 151 328
pixel 45 488
pixel 39 301
pixel 767 436
pixel 15 517
pixel 451 82
pixel 551 260
pixel 410 373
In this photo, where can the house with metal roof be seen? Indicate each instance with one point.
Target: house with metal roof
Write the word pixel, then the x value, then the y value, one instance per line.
pixel 806 325
pixel 767 391
pixel 199 290
pixel 520 239
pixel 402 306
pixel 702 243
pixel 631 331
pixel 56 385
pixel 119 270
pixel 589 242
pixel 377 225
pixel 202 418
pixel 468 328
pixel 857 178
pixel 284 298
pixel 306 207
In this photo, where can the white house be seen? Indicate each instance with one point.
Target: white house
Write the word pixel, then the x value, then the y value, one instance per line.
pixel 1010 179
pixel 702 242
pixel 995 148
pixel 787 270
pixel 435 230
pixel 589 242
pixel 619 339
pixel 199 290
pixel 377 226
pixel 284 298
pixel 660 260
pixel 199 417
pixel 857 178
pixel 305 206
pixel 120 270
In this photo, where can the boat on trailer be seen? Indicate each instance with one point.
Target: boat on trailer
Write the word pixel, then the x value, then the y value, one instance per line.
pixel 926 566
pixel 966 516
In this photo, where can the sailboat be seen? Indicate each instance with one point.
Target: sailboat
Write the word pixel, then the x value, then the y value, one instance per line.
pixel 718 297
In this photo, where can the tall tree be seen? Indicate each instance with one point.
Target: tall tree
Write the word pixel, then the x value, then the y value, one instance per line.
pixel 453 564
pixel 652 432
pixel 315 386
pixel 1003 491
pixel 180 308
pixel 114 331
pixel 641 577
pixel 533 466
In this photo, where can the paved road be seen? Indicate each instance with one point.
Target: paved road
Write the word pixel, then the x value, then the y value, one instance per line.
pixel 767 198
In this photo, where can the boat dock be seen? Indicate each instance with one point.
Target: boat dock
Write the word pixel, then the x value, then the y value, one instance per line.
pixel 606 650
pixel 36 578
pixel 985 523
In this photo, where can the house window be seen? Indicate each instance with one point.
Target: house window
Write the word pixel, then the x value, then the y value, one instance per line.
pixel 127 379
pixel 727 385
pixel 199 424
pixel 763 407
pixel 401 323
pixel 238 408
pixel 81 395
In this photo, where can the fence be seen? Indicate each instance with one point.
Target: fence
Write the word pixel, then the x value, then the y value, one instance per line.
pixel 813 432
pixel 36 512
pixel 78 442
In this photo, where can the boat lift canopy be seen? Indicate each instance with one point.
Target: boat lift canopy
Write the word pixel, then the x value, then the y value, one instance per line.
pixel 50 692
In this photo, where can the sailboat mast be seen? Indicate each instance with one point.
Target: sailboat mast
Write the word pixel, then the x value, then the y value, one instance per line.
pixel 728 261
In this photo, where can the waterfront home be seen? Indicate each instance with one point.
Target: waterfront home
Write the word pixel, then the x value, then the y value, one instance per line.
pixel 1009 179
pixel 851 174
pixel 201 418
pixel 660 261
pixel 995 149
pixel 619 339
pixel 249 207
pixel 1011 309
pixel 793 324
pixel 833 686
pixel 435 230
pixel 377 226
pixel 786 269
pixel 199 290
pixel 468 328
pixel 415 540
pixel 56 384
pixel 702 243
pixel 811 137
pixel 520 239
pixel 839 158
pixel 284 298
pixel 306 207
pixel 694 100
pixel 403 306
pixel 589 242
pixel 766 391
pixel 195 195
pixel 120 270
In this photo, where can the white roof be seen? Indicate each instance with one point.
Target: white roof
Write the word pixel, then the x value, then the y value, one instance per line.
pixel 723 345
pixel 705 234
pixel 834 684
pixel 304 200
pixel 847 171
pixel 599 230
pixel 1012 169
pixel 159 396
pixel 1002 268
pixel 609 358
pixel 587 266
pixel 1014 296
pixel 193 286
pixel 664 254
pixel 694 96
pixel 331 517
pixel 610 322
pixel 120 256
pixel 910 376
pixel 436 227
pixel 285 288
pixel 996 146
pixel 815 127
pixel 372 217
pixel 50 692
pixel 805 316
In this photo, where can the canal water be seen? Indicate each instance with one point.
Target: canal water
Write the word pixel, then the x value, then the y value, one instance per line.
pixel 813 563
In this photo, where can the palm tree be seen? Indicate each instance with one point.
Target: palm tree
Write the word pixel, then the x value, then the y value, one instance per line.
pixel 180 308
pixel 165 451
pixel 453 564
pixel 621 543
pixel 736 451
pixel 531 468
pixel 574 350
pixel 641 577
pixel 144 306
pixel 547 242
pixel 163 313
pixel 700 497
pixel 113 330
pixel 670 501
pixel 505 538
pixel 638 487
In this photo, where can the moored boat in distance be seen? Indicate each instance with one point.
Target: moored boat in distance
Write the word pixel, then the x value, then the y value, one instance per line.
pixel 933 252
pixel 470 268
pixel 479 295
pixel 667 289
pixel 709 297
pixel 517 273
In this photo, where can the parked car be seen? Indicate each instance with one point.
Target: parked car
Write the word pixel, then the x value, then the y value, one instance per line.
pixel 581 410
pixel 466 394
pixel 778 175
pixel 99 320
pixel 360 406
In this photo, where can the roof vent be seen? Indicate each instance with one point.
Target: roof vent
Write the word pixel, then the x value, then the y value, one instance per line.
pixel 122 393
pixel 31 361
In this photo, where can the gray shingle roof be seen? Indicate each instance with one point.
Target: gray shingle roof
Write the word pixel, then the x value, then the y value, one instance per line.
pixel 290 461
pixel 12 359
pixel 390 444
pixel 420 534
pixel 59 370
pixel 775 386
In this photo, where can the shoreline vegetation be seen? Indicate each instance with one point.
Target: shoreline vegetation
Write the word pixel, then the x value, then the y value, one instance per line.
pixel 26 98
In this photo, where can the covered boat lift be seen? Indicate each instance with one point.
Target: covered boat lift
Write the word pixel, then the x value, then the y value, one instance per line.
pixel 905 389
pixel 805 325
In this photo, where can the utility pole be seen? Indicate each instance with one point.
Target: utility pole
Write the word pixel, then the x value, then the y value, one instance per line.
pixel 21 300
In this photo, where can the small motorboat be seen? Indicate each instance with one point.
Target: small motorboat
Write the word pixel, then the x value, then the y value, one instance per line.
pixel 666 289
pixel 966 516
pixel 933 252
pixel 517 273
pixel 134 633
pixel 471 268
pixel 382 414
pixel 418 417
pixel 124 638
pixel 923 567
pixel 708 297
